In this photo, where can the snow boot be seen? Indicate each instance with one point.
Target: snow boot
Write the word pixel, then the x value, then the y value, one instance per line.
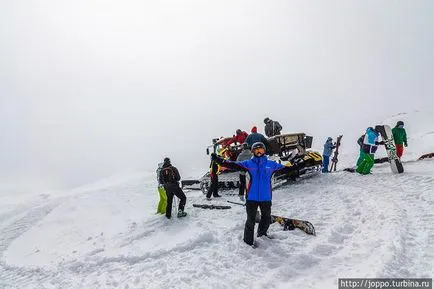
pixel 181 214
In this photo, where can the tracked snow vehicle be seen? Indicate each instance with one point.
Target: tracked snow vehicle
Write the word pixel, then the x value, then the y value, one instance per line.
pixel 285 149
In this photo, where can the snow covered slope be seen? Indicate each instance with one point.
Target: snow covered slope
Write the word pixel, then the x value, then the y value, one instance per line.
pixel 107 235
pixel 378 225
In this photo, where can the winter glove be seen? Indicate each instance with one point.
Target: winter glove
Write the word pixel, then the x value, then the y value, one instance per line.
pixel 405 144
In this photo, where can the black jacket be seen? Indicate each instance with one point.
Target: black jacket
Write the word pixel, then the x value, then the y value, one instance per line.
pixel 169 176
pixel 272 128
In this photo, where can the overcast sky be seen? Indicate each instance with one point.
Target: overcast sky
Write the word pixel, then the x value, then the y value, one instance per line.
pixel 90 88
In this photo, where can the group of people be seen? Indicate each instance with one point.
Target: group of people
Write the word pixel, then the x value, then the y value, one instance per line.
pixel 368 144
pixel 253 160
pixel 271 128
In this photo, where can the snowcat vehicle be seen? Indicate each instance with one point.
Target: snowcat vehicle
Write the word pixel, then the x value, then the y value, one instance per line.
pixel 286 149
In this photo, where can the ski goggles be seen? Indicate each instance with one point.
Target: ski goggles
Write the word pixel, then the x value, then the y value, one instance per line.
pixel 259 150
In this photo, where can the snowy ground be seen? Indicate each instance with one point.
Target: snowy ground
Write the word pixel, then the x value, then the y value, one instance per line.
pixel 107 235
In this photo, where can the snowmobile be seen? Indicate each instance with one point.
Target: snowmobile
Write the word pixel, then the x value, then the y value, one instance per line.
pixel 286 149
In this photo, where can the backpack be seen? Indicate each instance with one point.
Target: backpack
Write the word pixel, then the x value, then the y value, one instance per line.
pixel 168 176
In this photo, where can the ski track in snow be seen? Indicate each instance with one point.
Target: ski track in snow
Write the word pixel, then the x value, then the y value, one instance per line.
pixel 378 225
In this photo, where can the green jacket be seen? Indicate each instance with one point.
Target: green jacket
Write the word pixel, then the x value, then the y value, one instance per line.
pixel 399 135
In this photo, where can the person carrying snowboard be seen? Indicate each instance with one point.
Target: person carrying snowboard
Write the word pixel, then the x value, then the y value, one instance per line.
pixel 169 177
pixel 161 209
pixel 245 154
pixel 272 127
pixel 258 194
pixel 328 149
pixel 369 147
pixel 400 137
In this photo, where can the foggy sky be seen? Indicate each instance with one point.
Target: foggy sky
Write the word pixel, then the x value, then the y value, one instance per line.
pixel 90 88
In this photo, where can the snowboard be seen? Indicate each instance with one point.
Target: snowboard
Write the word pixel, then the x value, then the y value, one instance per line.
pixel 287 223
pixel 386 134
pixel 426 156
pixel 291 224
pixel 336 153
pixel 212 207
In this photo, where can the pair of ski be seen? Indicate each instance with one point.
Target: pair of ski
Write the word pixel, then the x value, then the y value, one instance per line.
pixel 287 223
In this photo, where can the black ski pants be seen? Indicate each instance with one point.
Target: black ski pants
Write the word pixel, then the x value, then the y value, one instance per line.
pixel 214 187
pixel 174 190
pixel 264 223
pixel 242 184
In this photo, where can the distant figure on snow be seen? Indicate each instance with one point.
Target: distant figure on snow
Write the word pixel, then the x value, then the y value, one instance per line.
pixel 328 149
pixel 169 177
pixel 400 137
pixel 272 127
pixel 213 174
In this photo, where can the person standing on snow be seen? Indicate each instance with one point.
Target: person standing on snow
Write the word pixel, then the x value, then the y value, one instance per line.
pixel 245 154
pixel 255 137
pixel 240 137
pixel 328 148
pixel 400 138
pixel 272 127
pixel 258 194
pixel 213 174
pixel 161 209
pixel 169 177
pixel 369 147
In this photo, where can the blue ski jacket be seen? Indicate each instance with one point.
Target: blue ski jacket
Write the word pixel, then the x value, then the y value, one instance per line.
pixel 370 141
pixel 328 147
pixel 260 169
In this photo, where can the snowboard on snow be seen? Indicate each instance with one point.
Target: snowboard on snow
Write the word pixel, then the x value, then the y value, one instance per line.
pixel 426 156
pixel 211 207
pixel 287 223
pixel 395 163
pixel 291 224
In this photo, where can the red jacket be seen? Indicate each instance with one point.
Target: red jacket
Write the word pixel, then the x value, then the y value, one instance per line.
pixel 239 138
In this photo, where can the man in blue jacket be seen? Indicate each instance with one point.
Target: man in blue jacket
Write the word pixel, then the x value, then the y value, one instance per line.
pixel 258 193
